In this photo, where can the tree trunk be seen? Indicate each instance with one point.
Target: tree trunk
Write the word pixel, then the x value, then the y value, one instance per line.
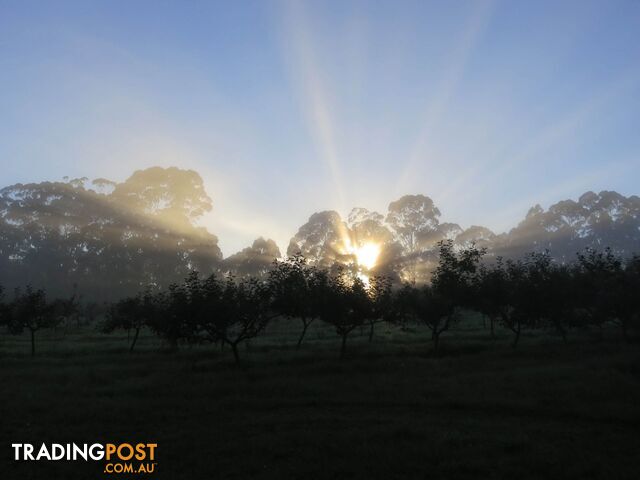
pixel 305 325
pixel 135 339
pixel 343 348
pixel 33 343
pixel 517 337
pixel 236 356
pixel 492 325
pixel 436 339
pixel 371 331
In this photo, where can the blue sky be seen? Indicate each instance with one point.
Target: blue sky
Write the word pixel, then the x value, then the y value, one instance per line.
pixel 287 108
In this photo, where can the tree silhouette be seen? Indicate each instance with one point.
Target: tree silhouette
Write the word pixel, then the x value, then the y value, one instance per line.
pixel 31 311
pixel 296 287
pixel 345 305
pixel 132 313
pixel 437 306
pixel 629 306
pixel 426 306
pixel 174 196
pixel 597 275
pixel 5 311
pixel 594 220
pixel 255 260
pixel 496 294
pixel 382 302
pixel 178 311
pixel 321 240
pixel 556 290
pixel 234 312
pixel 516 301
pixel 67 308
pixel 413 219
pixel 112 244
pixel 490 292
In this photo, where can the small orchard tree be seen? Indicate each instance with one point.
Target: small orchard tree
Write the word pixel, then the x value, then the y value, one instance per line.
pixel 5 311
pixel 455 274
pixel 632 300
pixel 89 311
pixel 31 311
pixel 3 307
pixel 295 288
pixel 234 312
pixel 537 292
pixel 66 309
pixel 544 293
pixel 345 305
pixel 626 304
pixel 382 302
pixel 428 307
pixel 559 299
pixel 502 292
pixel 177 311
pixel 491 289
pixel 169 323
pixel 452 287
pixel 517 301
pixel 598 276
pixel 132 313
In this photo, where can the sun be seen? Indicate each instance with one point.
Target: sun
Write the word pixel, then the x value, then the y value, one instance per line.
pixel 367 255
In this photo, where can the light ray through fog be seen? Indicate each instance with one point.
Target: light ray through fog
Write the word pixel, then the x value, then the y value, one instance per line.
pixel 307 76
pixel 564 131
pixel 450 78
pixel 289 108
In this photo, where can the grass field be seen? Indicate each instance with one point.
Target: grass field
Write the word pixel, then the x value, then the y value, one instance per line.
pixel 391 409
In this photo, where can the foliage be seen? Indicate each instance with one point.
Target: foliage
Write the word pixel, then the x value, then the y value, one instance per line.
pixel 110 238
pixel 31 311
pixel 345 304
pixel 533 293
pixel 296 287
pixel 437 306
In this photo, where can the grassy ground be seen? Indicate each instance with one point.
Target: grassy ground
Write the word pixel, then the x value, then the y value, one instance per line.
pixel 390 410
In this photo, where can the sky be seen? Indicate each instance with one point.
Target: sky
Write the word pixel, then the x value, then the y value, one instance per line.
pixel 291 107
